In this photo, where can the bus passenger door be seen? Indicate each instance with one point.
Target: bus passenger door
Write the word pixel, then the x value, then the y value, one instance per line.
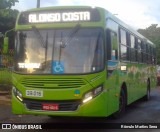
pixel 112 52
pixel 112 78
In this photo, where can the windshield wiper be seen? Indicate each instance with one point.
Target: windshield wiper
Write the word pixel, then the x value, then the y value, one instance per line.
pixel 39 36
pixel 46 49
pixel 70 36
pixel 43 43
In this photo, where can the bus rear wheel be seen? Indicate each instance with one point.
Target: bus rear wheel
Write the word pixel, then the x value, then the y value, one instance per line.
pixel 122 105
pixel 147 96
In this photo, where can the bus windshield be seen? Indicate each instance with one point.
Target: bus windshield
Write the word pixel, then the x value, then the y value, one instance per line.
pixel 44 52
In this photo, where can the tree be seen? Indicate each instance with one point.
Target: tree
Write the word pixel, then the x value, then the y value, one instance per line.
pixel 7 16
pixel 153 34
pixel 7 4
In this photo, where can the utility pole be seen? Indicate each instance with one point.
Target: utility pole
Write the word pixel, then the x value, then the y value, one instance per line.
pixel 38 3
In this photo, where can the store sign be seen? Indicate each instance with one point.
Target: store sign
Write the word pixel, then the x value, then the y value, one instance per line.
pixel 59 17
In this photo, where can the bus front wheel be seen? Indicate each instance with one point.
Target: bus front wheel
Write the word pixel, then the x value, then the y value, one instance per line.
pixel 122 105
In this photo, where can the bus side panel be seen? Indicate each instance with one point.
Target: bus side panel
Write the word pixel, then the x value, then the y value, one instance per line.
pixel 113 89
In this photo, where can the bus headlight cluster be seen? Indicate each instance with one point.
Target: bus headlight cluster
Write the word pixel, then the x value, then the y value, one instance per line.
pixel 17 93
pixel 93 93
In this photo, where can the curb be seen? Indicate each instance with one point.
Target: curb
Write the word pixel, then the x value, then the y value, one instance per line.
pixel 2 93
pixel 5 99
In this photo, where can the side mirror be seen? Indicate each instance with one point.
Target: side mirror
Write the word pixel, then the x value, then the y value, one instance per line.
pixel 5 45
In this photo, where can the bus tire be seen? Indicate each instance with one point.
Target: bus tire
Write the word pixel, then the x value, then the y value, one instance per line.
pixel 147 96
pixel 122 105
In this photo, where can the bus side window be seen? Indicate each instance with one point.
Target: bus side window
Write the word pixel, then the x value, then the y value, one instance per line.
pixel 112 45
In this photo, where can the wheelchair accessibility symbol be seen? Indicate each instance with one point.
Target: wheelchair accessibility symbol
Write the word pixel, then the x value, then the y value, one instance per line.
pixel 58 67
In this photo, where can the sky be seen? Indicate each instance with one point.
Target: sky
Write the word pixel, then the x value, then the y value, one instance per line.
pixel 136 13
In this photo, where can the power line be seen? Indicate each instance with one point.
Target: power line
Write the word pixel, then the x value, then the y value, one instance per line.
pixel 38 3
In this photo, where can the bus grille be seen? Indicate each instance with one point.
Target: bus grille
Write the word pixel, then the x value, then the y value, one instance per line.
pixel 71 105
pixel 51 83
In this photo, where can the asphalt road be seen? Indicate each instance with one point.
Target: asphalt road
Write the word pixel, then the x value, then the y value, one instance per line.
pixel 138 112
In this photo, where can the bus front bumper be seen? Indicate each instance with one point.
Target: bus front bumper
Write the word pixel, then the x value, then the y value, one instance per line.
pixel 97 107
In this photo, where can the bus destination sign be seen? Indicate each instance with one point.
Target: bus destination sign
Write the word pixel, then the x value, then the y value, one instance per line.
pixel 59 16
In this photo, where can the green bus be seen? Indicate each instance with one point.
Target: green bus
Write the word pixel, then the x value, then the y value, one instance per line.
pixel 79 61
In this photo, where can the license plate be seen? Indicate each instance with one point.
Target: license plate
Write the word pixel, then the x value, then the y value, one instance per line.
pixel 34 93
pixel 53 107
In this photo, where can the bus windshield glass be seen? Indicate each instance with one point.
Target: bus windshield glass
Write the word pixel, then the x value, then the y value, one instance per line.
pixel 55 51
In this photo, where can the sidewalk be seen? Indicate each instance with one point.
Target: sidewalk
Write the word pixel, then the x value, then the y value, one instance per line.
pixel 5 96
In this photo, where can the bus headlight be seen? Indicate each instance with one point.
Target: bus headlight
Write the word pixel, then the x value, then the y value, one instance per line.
pixel 93 93
pixel 17 93
pixel 88 96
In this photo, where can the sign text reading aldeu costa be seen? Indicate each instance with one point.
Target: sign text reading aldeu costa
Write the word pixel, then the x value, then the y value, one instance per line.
pixel 59 17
